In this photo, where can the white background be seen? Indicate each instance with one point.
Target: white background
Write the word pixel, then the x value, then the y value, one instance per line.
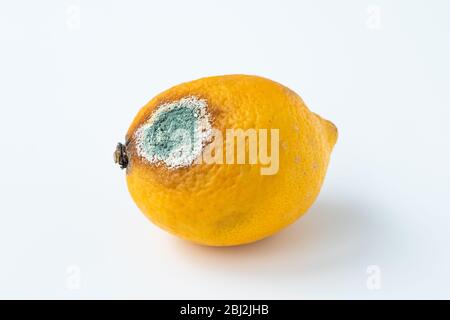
pixel 74 73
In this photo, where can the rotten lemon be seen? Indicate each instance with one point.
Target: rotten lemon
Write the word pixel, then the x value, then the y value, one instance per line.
pixel 226 160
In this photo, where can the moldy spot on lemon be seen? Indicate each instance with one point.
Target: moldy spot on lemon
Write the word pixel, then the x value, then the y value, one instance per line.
pixel 175 134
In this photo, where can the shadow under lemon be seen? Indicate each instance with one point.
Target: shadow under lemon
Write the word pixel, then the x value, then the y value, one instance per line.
pixel 329 235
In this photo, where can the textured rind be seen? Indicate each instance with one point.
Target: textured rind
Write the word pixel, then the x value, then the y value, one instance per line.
pixel 222 204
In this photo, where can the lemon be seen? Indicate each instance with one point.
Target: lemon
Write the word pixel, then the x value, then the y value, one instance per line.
pixel 226 160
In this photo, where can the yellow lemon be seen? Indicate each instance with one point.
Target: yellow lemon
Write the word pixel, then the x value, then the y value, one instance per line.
pixel 226 160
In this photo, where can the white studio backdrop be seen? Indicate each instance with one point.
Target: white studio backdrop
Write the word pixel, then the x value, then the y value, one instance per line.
pixel 74 73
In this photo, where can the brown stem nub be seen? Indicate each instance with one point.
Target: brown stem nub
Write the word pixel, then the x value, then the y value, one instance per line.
pixel 120 156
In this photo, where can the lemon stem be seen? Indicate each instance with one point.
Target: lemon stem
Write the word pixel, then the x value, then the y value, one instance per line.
pixel 120 156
